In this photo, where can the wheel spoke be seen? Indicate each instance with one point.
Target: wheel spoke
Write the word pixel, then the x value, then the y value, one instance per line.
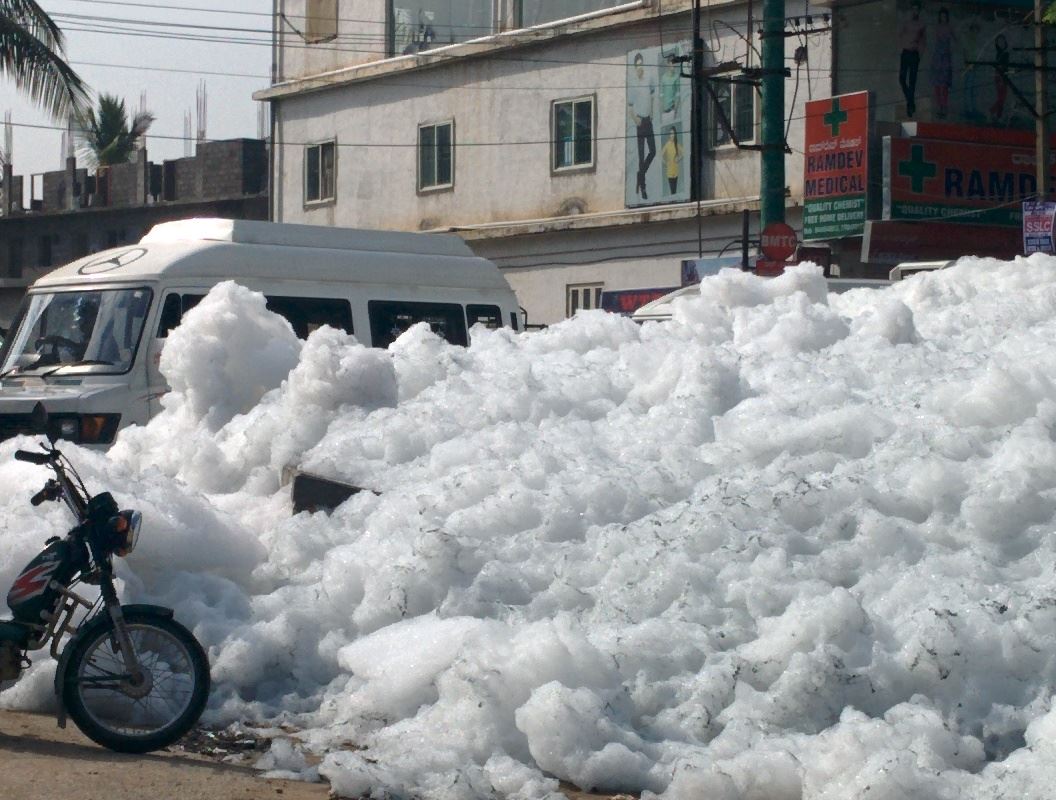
pixel 109 698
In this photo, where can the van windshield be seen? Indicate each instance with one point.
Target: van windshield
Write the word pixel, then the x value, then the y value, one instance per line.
pixel 65 330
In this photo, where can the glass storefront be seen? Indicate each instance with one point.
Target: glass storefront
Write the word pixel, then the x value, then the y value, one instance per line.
pixel 538 12
pixel 417 25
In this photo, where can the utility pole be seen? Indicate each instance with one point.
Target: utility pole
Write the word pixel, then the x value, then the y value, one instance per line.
pixel 697 109
pixel 1042 133
pixel 772 134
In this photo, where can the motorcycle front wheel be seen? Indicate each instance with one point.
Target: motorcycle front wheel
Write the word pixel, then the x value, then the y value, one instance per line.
pixel 112 711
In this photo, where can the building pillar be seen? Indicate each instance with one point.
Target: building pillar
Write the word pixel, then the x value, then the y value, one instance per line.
pixel 5 194
pixel 70 185
pixel 142 177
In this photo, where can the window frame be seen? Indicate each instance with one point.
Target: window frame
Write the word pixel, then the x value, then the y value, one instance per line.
pixel 321 200
pixel 596 288
pixel 736 89
pixel 574 167
pixel 308 37
pixel 435 187
pixel 379 308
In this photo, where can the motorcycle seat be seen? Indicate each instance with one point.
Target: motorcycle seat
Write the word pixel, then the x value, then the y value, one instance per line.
pixel 15 632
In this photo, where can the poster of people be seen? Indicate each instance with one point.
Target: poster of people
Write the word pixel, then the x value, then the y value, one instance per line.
pixel 957 62
pixel 658 127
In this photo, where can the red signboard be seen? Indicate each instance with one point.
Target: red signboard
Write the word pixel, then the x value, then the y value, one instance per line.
pixel 977 184
pixel 770 268
pixel 894 242
pixel 627 301
pixel 836 166
pixel 778 241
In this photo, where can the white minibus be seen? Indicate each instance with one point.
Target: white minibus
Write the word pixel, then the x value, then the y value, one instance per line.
pixel 87 338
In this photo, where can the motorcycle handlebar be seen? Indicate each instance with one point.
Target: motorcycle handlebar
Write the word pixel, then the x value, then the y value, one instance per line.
pixel 33 458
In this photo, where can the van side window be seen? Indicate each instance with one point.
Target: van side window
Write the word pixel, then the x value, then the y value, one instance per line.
pixel 390 318
pixel 176 305
pixel 306 314
pixel 488 316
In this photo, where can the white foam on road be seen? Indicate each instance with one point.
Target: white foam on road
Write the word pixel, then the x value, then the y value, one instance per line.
pixel 786 545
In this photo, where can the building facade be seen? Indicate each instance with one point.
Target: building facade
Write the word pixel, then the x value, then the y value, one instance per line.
pixel 556 137
pixel 60 216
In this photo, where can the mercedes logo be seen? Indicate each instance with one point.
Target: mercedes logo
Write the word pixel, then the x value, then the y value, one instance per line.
pixel 112 262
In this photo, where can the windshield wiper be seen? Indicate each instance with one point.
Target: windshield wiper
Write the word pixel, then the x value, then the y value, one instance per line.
pixel 88 362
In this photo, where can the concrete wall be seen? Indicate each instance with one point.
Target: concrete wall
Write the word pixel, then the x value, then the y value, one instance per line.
pixel 361 38
pixel 501 109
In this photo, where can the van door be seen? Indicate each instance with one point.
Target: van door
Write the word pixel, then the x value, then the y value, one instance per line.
pixel 174 305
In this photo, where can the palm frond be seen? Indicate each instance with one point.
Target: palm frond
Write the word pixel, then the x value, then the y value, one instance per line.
pixel 106 136
pixel 37 69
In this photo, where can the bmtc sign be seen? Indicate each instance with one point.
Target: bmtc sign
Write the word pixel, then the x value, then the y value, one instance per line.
pixel 778 242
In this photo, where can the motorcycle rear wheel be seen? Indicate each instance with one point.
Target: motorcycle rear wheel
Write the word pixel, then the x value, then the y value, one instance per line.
pixel 124 718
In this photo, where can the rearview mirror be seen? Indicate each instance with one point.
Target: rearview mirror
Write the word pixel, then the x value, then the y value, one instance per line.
pixel 38 420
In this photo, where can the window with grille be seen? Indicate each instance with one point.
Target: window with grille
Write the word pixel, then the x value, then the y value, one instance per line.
pixel 582 296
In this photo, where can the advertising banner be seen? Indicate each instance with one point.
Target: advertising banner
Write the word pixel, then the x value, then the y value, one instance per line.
pixel 627 301
pixel 658 127
pixel 962 62
pixel 836 167
pixel 1039 224
pixel 975 184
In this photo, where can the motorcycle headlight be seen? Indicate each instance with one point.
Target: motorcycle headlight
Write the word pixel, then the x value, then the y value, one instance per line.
pixel 126 527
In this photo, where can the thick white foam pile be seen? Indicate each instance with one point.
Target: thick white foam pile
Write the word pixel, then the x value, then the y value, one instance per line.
pixel 787 545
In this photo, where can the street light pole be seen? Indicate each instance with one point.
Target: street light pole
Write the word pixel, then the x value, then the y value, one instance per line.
pixel 772 133
pixel 1042 146
pixel 697 156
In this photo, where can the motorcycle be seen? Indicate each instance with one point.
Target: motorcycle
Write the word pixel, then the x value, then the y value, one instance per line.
pixel 131 677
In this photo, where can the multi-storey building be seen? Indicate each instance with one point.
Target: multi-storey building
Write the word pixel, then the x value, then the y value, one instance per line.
pixel 556 137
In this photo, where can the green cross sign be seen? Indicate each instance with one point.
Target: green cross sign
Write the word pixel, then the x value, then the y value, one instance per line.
pixel 917 169
pixel 836 117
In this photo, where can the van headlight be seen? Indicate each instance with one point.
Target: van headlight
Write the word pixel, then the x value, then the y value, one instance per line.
pixel 85 428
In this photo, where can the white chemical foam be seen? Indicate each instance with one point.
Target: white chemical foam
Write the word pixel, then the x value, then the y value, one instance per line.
pixel 786 545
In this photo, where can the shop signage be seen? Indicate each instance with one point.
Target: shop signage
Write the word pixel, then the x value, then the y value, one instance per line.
pixel 836 166
pixel 627 301
pixel 892 242
pixel 1039 224
pixel 962 182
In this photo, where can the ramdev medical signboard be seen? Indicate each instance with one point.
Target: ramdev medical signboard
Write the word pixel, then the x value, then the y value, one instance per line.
pixel 836 166
pixel 974 184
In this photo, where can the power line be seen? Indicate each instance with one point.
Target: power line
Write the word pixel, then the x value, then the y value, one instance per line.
pixel 142 67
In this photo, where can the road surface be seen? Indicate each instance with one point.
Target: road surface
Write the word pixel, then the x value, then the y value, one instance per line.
pixel 37 759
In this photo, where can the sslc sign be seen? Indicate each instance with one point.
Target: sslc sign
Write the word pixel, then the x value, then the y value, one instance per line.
pixel 778 241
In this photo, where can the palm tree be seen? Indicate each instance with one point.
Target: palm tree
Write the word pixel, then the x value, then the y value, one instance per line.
pixel 31 54
pixel 107 137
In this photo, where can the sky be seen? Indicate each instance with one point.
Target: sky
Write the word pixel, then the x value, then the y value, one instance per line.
pixel 137 39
